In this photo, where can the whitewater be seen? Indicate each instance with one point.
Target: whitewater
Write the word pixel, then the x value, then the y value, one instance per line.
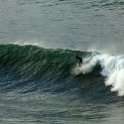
pixel 112 70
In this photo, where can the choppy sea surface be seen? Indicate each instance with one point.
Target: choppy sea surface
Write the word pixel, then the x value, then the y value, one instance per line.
pixel 41 81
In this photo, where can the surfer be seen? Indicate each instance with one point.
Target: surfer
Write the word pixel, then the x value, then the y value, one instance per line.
pixel 79 60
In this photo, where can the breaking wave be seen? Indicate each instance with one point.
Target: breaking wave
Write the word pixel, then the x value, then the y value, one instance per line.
pixel 30 68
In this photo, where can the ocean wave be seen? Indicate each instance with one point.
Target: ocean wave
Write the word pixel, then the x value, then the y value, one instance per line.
pixel 29 68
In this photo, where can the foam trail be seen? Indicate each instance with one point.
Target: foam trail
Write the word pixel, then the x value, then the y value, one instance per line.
pixel 112 69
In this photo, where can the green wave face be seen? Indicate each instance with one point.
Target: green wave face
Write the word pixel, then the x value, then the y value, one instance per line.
pixel 32 60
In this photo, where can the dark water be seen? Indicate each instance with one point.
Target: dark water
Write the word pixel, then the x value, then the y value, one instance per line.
pixel 37 84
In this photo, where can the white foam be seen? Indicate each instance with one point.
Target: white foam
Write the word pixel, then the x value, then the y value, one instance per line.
pixel 112 69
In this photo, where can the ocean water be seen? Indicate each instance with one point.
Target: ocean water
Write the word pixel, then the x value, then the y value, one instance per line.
pixel 40 79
